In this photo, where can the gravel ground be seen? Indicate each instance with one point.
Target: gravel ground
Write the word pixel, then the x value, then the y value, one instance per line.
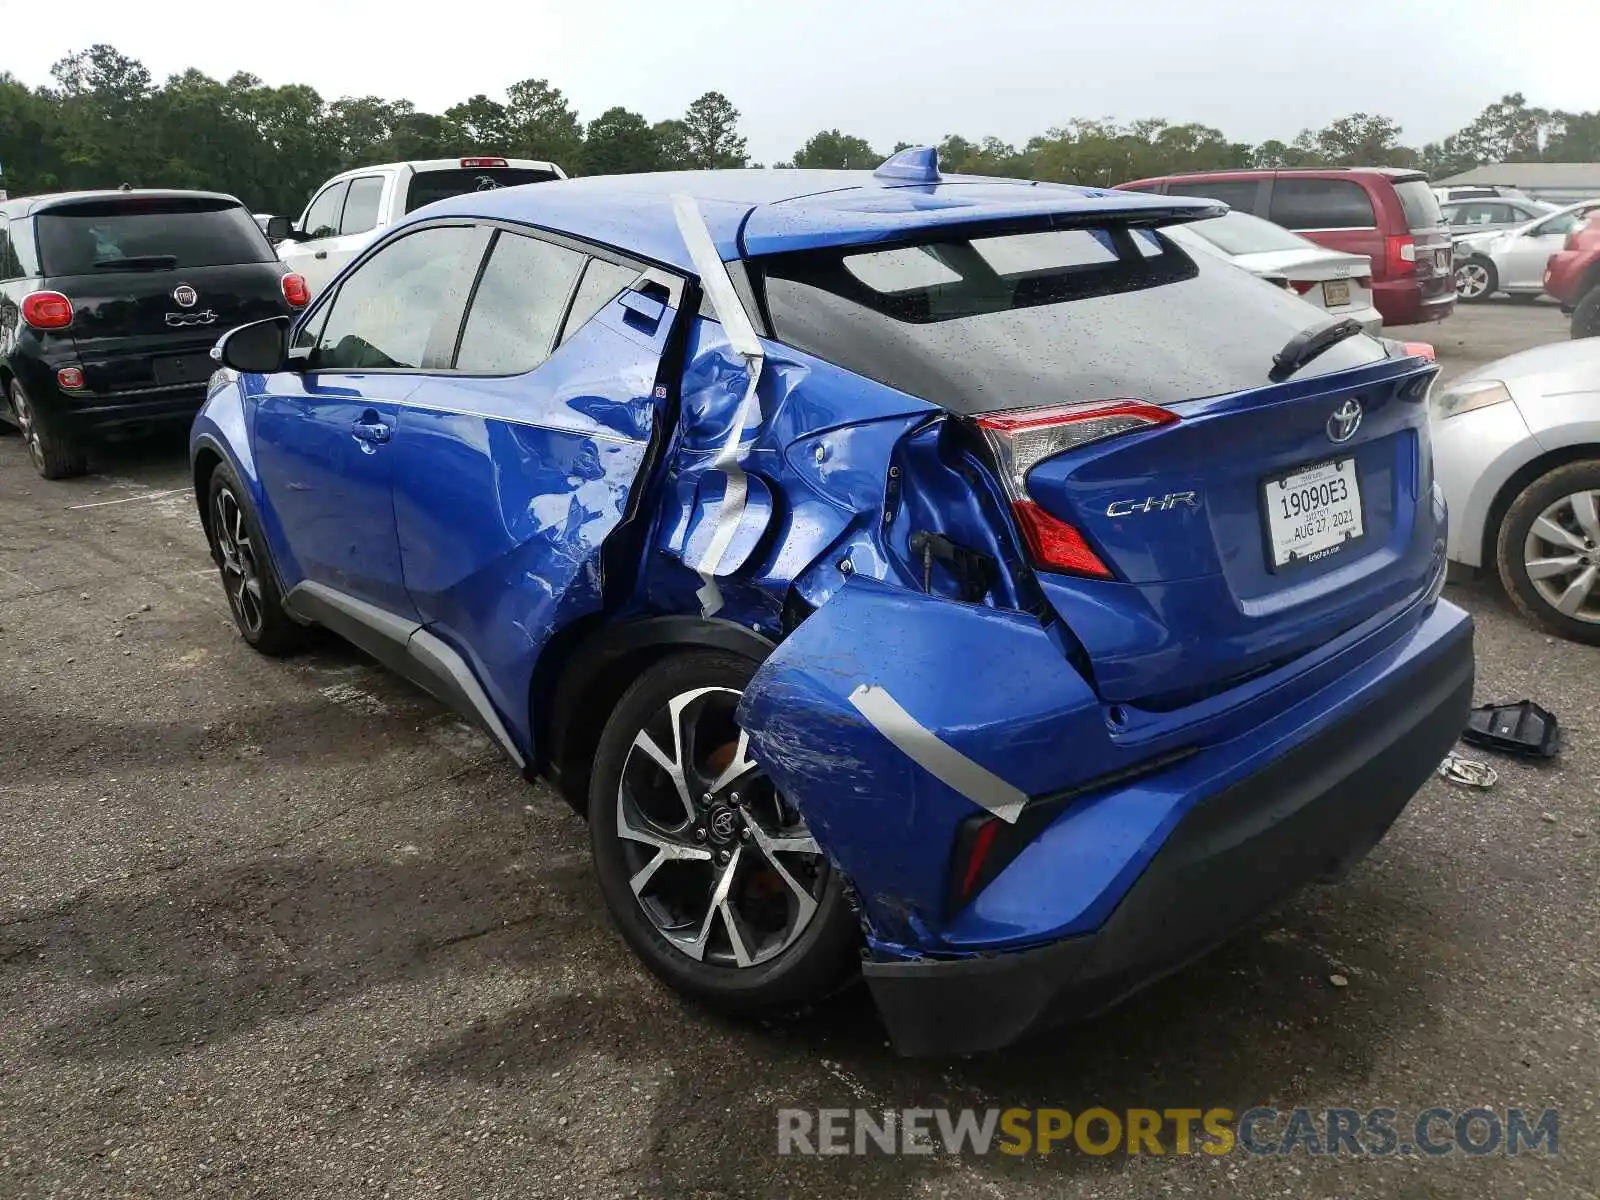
pixel 289 929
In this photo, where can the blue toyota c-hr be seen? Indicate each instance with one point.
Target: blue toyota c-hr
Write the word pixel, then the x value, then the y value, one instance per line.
pixel 949 579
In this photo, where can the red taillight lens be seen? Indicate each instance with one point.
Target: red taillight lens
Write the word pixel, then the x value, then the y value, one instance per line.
pixel 1054 543
pixel 483 162
pixel 47 310
pixel 975 844
pixel 1022 439
pixel 70 378
pixel 1302 285
pixel 295 290
pixel 1401 254
pixel 1419 350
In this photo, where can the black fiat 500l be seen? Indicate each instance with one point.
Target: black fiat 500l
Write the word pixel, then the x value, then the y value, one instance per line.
pixel 109 305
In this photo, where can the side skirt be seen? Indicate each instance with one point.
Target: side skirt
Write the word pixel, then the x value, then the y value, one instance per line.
pixel 407 649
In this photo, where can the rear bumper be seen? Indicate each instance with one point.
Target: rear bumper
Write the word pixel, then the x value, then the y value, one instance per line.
pixel 1402 302
pixel 1311 813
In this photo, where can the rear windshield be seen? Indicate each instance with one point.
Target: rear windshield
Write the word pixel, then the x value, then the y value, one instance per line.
pixel 428 186
pixel 1240 233
pixel 141 234
pixel 1421 205
pixel 1027 320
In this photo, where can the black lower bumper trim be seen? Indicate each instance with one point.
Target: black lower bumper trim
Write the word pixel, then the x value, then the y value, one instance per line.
pixel 1311 814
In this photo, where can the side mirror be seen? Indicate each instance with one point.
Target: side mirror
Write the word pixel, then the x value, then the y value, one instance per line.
pixel 259 348
pixel 279 229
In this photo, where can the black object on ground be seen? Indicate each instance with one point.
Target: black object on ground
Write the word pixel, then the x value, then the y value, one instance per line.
pixel 1522 728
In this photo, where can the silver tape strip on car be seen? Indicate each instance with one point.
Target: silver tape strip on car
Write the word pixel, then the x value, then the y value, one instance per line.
pixel 741 334
pixel 939 759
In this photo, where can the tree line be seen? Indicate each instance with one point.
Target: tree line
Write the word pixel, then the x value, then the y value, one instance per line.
pixel 104 121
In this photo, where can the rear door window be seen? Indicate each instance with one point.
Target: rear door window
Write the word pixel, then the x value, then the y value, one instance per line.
pixel 322 218
pixel 1027 320
pixel 518 306
pixel 602 281
pixel 148 234
pixel 1235 193
pixel 428 186
pixel 1420 204
pixel 361 205
pixel 1322 204
pixel 10 264
pixel 401 308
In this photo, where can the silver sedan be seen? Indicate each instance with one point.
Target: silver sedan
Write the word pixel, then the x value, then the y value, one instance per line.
pixel 1333 280
pixel 1516 450
pixel 1512 260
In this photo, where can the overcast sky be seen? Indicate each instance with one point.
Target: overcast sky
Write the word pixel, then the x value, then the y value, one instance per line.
pixel 887 70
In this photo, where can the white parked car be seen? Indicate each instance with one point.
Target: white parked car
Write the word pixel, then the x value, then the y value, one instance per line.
pixel 1512 261
pixel 1330 279
pixel 350 210
pixel 1516 451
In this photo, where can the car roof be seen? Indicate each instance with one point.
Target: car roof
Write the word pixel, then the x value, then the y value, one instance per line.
pixel 24 206
pixel 758 211
pixel 445 164
pixel 1393 174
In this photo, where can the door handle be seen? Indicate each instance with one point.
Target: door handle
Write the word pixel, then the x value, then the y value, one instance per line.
pixel 373 431
pixel 320 254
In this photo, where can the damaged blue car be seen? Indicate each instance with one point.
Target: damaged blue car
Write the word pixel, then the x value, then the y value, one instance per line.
pixel 943 580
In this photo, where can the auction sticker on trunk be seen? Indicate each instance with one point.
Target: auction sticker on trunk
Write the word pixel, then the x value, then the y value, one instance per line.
pixel 1312 512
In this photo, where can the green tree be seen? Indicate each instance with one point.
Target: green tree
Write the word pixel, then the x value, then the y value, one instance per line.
pixel 483 124
pixel 711 133
pixel 1575 137
pixel 541 124
pixel 839 151
pixel 1360 140
pixel 619 141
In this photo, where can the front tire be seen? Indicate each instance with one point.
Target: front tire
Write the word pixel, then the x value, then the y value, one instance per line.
pixel 1586 316
pixel 247 576
pixel 1548 551
pixel 1476 280
pixel 53 454
pixel 709 874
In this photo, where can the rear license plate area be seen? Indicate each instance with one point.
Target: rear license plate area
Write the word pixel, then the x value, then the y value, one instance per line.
pixel 182 368
pixel 1312 512
pixel 1336 293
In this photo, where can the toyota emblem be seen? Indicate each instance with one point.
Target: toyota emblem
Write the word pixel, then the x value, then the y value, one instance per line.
pixel 1345 421
pixel 722 824
pixel 185 296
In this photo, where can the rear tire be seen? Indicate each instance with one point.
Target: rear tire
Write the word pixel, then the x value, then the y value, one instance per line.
pixel 1476 280
pixel 53 454
pixel 248 579
pixel 1548 551
pixel 1586 316
pixel 783 934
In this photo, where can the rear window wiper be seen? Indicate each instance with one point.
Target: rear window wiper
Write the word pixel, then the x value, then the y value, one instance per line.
pixel 138 262
pixel 1309 344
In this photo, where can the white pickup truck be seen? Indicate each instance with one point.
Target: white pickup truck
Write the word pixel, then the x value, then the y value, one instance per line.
pixel 352 209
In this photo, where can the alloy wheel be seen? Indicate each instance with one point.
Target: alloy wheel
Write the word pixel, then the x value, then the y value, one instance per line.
pixel 1561 555
pixel 28 425
pixel 722 865
pixel 241 575
pixel 1472 280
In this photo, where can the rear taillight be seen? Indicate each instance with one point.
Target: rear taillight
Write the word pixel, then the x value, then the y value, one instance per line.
pixel 47 310
pixel 1419 350
pixel 1302 285
pixel 295 291
pixel 1020 440
pixel 483 162
pixel 1400 252
pixel 69 379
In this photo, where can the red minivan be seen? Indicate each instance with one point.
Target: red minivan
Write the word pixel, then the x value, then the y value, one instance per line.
pixel 1387 213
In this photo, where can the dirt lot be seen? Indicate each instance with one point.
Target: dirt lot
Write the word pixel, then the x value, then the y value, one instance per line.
pixel 288 929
